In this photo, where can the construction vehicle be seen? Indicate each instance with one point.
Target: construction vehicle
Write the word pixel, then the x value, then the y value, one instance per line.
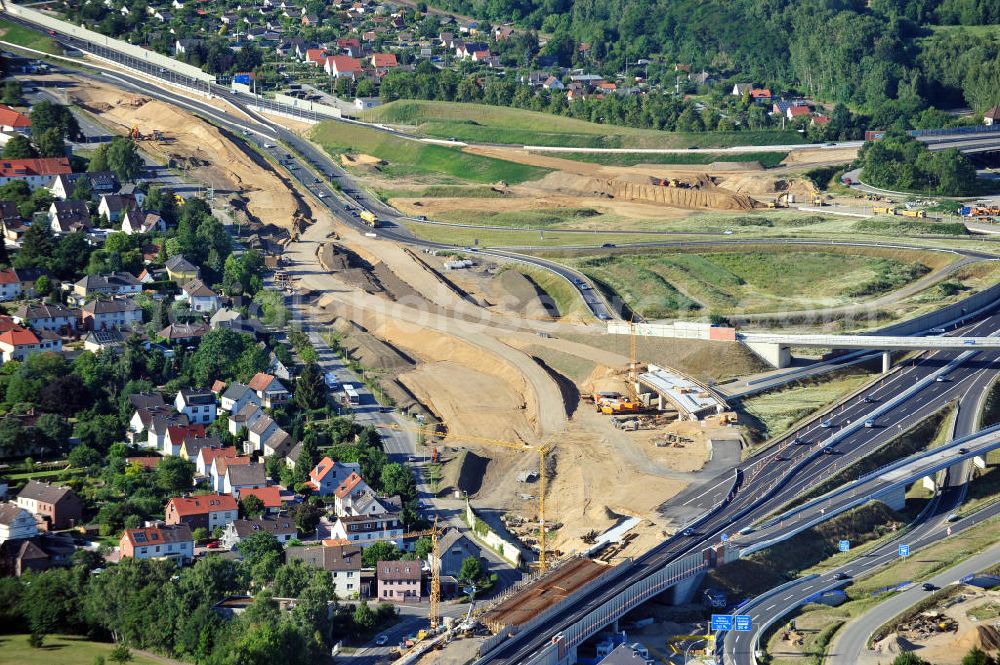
pixel 542 450
pixel 369 218
pixel 614 408
pixel 178 199
pixel 883 210
pixel 919 214
pixel 818 201
pixel 134 133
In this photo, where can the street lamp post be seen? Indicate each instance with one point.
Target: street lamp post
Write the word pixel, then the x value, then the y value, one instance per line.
pixel 688 650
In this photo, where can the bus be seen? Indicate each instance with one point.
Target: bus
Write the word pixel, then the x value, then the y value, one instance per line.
pixel 351 395
pixel 370 218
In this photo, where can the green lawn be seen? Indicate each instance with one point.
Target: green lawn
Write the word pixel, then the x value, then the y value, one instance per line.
pixel 481 123
pixel 564 295
pixel 407 157
pixel 16 34
pixel 766 159
pixel 657 285
pixel 60 650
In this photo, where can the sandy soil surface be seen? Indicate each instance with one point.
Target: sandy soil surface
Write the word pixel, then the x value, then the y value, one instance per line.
pixel 210 157
pixel 944 648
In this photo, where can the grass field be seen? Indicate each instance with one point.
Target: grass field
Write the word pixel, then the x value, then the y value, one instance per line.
pixel 406 157
pixel 657 285
pixel 16 34
pixel 515 238
pixel 777 411
pixel 766 159
pixel 908 228
pixel 566 298
pixel 60 650
pixel 480 123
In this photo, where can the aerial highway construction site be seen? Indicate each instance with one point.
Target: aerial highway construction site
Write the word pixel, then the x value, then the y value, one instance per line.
pixel 579 352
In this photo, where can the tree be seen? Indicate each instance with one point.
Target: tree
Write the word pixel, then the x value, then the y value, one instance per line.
pixel 424 546
pixel 50 143
pixel 258 545
pixel 978 657
pixel 909 658
pixel 120 654
pixel 308 514
pixel 200 534
pixel 310 388
pixel 124 159
pixel 12 94
pixel 380 551
pixel 19 147
pixel 291 579
pixel 251 506
pixel 36 247
pixel 83 457
pixel 43 286
pixel 363 616
pixel 54 430
pixel 308 457
pixel 45 115
pixel 398 479
pixel 472 570
pixel 175 474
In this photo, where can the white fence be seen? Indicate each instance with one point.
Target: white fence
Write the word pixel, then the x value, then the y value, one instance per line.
pixel 498 544
pixel 137 52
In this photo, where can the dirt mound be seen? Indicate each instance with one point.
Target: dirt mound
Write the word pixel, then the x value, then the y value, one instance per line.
pixel 517 292
pixel 760 184
pixel 988 638
pixel 698 194
pixel 360 159
pixel 370 351
pixel 466 471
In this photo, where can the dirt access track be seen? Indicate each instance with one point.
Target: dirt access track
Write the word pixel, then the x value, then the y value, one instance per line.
pixel 197 147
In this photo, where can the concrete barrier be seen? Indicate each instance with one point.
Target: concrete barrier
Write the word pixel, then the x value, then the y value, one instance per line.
pixel 491 538
pixel 137 52
pixel 313 107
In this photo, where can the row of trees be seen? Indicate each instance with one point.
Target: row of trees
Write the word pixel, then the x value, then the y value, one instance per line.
pixel 901 163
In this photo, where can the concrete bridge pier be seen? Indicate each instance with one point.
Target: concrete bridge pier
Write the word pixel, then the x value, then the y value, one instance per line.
pixel 776 355
pixel 896 499
pixel 683 592
pixel 886 362
pixel 930 483
pixel 979 462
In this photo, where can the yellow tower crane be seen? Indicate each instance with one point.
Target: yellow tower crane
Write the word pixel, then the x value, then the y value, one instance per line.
pixel 435 609
pixel 541 449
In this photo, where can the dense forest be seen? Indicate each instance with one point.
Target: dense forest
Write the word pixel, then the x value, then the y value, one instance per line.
pixel 884 59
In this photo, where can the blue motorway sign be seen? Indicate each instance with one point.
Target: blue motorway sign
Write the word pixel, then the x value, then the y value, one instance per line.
pixel 722 622
pixel 904 550
pixel 742 622
pixel 844 546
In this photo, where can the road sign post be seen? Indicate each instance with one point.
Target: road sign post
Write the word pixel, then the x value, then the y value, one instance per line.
pixel 844 546
pixel 743 622
pixel 722 622
pixel 904 551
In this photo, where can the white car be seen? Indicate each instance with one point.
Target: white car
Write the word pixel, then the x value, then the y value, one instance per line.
pixel 381 640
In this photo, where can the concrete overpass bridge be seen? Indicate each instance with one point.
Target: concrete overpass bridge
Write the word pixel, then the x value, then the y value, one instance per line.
pixel 774 347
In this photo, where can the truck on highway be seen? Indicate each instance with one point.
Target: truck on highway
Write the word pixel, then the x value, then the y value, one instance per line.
pixel 369 218
pixel 883 210
pixel 918 214
pixel 351 395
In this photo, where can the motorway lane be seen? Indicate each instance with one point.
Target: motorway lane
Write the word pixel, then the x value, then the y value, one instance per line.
pixel 767 483
pixel 738 646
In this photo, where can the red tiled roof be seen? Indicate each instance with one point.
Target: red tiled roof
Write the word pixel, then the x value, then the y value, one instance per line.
pixel 384 60
pixel 344 63
pixel 42 166
pixel 348 485
pixel 11 118
pixel 315 54
pixel 146 462
pixel 260 381
pixel 209 454
pixel 323 468
pixel 177 433
pixel 795 111
pixel 270 496
pixel 200 505
pixel 8 276
pixel 760 93
pixel 18 337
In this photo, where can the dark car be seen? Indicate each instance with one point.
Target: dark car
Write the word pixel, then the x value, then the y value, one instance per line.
pixel 927 586
pixel 841 576
pixel 608 244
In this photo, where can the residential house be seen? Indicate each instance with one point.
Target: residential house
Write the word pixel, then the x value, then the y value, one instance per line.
pixel 115 284
pixel 992 116
pixel 139 221
pixel 364 530
pixel 200 298
pixel 398 581
pixel 176 434
pixel 14 122
pixel 182 46
pixel 104 340
pixel 37 172
pixel 110 314
pixel 54 318
pixel 14 226
pixel 270 496
pixel 198 404
pixel 206 456
pixel 173 541
pixel 18 344
pixel 453 548
pixel 270 392
pixel 259 431
pixel 552 83
pixel 159 425
pixel 328 475
pixel 36 554
pixel 384 61
pixel 350 46
pixel 794 112
pixel 349 491
pixel 101 182
pixel 113 206
pixel 237 396
pixel 315 56
pixel 760 94
pixel 207 512
pixel 181 270
pixel 69 216
pixel 192 445
pixel 219 467
pixel 183 333
pixel 342 66
pixel 343 562
pixel 244 418
pixel 16 523
pixel 56 507
pixel 282 528
pixel 741 89
pixel 242 476
pixel 145 405
pixel 10 285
